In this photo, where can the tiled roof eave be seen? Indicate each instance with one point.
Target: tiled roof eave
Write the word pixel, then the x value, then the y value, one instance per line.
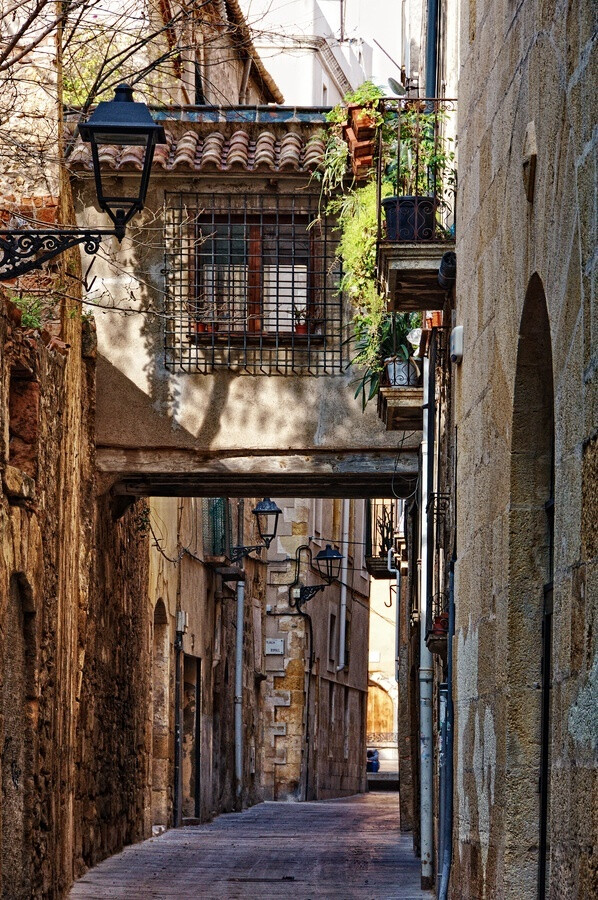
pixel 190 152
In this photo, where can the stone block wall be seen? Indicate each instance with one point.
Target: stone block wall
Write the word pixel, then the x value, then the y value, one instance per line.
pixel 113 741
pixel 73 624
pixel 327 760
pixel 526 249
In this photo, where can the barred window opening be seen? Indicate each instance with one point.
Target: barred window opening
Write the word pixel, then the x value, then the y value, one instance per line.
pixel 253 286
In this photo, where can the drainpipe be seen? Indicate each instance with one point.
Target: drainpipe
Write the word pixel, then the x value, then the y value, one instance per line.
pixel 342 632
pixel 432 48
pixel 425 668
pixel 178 726
pixel 397 572
pixel 239 694
pixel 447 826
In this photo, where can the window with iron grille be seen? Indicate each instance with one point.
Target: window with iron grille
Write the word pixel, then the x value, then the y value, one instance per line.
pixel 216 526
pixel 253 286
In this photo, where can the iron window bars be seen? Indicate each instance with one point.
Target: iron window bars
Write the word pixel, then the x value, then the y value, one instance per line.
pixel 253 285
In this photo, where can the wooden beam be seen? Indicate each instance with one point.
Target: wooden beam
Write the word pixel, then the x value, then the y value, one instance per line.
pixel 180 473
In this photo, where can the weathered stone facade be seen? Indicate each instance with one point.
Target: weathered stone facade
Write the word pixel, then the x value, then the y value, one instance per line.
pixel 526 418
pixel 188 577
pixel 314 719
pixel 74 645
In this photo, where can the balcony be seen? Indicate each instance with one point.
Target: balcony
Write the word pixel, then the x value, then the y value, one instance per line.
pixel 380 536
pixel 416 222
pixel 400 408
pixel 437 625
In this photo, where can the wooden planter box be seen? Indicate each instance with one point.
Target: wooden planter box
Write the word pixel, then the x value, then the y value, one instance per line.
pixel 400 408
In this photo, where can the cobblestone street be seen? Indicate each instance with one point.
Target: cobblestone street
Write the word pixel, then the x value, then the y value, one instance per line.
pixel 343 849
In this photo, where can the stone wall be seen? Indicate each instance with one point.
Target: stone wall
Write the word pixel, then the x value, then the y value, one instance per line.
pixel 318 752
pixel 73 624
pixel 112 797
pixel 525 296
pixel 186 575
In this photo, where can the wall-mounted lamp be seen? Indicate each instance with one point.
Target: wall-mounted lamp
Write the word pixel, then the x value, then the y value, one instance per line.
pixel 121 122
pixel 266 513
pixel 328 564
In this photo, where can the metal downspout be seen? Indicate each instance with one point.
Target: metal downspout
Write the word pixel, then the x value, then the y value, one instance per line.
pixel 425 670
pixel 432 48
pixel 342 632
pixel 178 730
pixel 239 694
pixel 397 572
pixel 447 825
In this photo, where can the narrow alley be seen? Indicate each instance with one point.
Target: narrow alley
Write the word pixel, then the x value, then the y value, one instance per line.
pixel 346 848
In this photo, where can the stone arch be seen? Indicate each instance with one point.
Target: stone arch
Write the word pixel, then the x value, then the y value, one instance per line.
pixel 19 712
pixel 161 750
pixel 530 571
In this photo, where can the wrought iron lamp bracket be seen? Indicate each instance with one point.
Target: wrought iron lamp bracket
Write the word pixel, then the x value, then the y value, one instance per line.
pixel 306 593
pixel 239 553
pixel 22 250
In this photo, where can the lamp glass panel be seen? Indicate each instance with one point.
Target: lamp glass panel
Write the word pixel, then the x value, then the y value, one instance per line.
pixel 122 139
pixel 328 562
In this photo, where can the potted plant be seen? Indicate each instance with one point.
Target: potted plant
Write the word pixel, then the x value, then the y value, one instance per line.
pixel 198 318
pixel 351 135
pixel 419 166
pixel 301 323
pixel 401 368
pixel 383 351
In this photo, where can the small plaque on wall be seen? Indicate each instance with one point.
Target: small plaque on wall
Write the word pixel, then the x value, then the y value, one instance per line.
pixel 274 646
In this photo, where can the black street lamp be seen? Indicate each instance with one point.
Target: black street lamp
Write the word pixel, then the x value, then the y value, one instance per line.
pixel 266 513
pixel 328 564
pixel 120 122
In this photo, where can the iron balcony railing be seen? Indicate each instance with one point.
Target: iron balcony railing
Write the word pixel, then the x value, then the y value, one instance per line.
pixel 437 615
pixel 253 285
pixel 416 174
pixel 380 528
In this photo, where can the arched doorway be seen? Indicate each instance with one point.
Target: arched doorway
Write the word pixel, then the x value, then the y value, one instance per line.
pixel 530 604
pixel 18 699
pixel 161 743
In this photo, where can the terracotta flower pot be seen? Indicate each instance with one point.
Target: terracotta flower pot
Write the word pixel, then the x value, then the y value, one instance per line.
pixel 203 327
pixel 301 328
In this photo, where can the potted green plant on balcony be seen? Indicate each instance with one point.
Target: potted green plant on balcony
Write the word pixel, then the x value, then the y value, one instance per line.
pixel 383 351
pixel 419 165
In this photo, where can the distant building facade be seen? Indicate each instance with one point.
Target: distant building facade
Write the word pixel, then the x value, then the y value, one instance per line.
pixel 315 694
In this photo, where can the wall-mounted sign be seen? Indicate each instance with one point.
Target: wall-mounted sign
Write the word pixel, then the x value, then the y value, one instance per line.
pixel 274 646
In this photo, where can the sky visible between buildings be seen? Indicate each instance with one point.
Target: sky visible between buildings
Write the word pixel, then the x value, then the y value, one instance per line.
pixel 316 51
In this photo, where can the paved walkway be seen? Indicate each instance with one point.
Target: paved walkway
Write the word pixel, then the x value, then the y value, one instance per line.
pixel 338 850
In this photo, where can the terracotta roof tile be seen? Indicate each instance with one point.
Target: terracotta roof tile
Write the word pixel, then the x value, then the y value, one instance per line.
pixel 191 151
